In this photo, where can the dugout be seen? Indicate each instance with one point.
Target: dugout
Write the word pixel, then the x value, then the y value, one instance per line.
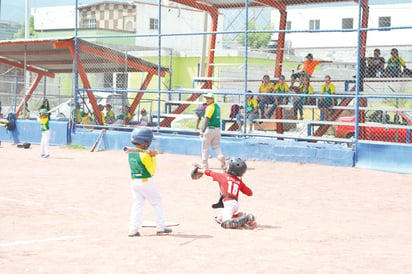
pixel 49 57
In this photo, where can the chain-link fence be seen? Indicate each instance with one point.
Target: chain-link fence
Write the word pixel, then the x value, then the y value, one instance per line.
pixel 332 67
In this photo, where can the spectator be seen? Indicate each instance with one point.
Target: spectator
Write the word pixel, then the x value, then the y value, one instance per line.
pixel 200 112
pixel 298 102
pixel 110 117
pixel 280 87
pixel 144 118
pixel 395 64
pixel 266 87
pixel 76 114
pixel 376 64
pixel 251 112
pixel 126 116
pixel 25 113
pixel 308 68
pixel 85 118
pixel 326 103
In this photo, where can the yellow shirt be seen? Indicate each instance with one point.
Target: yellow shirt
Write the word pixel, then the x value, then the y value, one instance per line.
pixel 266 88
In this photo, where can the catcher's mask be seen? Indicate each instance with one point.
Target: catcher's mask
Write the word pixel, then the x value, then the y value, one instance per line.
pixel 236 167
pixel 142 136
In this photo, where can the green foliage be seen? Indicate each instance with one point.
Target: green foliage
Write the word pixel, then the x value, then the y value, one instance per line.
pixel 22 31
pixel 255 40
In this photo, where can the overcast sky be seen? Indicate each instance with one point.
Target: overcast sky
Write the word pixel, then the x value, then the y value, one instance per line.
pixel 14 10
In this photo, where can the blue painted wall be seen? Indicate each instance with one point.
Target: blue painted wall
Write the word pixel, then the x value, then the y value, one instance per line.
pixel 385 157
pixel 250 148
pixel 29 131
pixel 265 149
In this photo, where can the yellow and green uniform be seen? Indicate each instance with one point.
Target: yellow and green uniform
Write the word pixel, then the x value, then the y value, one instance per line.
pixel 251 105
pixel 142 165
pixel 78 115
pixel 266 88
pixel 122 116
pixel 213 114
pixel 281 88
pixel 395 66
pixel 308 90
pixel 110 118
pixel 44 123
pixel 86 120
pixel 328 89
pixel 25 115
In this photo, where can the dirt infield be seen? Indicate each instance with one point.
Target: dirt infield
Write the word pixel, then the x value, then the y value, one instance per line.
pixel 70 213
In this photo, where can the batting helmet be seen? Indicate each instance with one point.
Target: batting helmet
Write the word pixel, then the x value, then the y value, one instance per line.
pixel 142 136
pixel 237 167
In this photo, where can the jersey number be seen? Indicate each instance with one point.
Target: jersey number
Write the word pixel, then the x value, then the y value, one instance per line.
pixel 232 188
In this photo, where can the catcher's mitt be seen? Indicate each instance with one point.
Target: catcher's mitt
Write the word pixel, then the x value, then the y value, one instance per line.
pixel 196 173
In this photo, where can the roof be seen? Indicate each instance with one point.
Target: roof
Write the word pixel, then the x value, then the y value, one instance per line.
pixel 52 56
pixel 224 4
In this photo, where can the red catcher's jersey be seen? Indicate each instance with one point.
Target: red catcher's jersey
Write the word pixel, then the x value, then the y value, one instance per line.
pixel 229 185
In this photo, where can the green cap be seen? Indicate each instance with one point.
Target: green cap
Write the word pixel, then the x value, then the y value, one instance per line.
pixel 43 111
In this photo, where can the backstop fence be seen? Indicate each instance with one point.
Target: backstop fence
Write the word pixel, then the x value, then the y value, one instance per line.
pixel 338 71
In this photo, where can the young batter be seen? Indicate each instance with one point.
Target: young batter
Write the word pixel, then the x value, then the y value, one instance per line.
pixel 142 168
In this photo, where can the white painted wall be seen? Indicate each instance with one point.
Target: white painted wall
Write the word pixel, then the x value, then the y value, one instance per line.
pixel 175 21
pixel 52 18
pixel 331 19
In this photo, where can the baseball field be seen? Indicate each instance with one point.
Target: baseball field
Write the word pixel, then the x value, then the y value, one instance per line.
pixel 70 214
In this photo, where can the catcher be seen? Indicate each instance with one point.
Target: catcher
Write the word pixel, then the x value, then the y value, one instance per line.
pixel 230 183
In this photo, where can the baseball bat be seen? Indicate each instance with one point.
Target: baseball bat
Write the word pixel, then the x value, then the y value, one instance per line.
pixel 136 150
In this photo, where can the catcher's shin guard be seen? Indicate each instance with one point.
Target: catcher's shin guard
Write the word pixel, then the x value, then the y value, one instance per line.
pixel 238 222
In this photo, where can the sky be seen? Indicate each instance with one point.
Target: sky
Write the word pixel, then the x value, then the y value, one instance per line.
pixel 14 10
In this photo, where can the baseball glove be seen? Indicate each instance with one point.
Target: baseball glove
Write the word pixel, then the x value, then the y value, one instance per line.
pixel 196 173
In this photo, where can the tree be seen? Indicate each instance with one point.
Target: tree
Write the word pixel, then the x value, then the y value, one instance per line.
pixel 255 39
pixel 21 32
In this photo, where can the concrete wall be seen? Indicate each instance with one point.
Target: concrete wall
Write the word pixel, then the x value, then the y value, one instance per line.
pixel 251 148
pixel 29 131
pixel 378 156
pixel 385 157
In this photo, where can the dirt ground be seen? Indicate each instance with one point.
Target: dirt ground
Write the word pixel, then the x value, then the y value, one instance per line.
pixel 70 213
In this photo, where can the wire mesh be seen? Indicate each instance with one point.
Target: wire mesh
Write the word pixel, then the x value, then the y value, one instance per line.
pixel 163 58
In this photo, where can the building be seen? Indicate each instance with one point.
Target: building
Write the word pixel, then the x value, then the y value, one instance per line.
pixel 8 29
pixel 342 19
pixel 111 18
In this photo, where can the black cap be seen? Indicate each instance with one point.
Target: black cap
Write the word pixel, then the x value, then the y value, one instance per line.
pixel 309 55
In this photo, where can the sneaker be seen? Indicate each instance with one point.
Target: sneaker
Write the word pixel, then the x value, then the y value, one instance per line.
pixel 46 156
pixel 165 231
pixel 137 234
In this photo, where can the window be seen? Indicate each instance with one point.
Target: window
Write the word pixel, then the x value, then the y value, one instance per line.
pixel 384 21
pixel 347 23
pixel 89 23
pixel 314 24
pixel 154 24
pixel 288 25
